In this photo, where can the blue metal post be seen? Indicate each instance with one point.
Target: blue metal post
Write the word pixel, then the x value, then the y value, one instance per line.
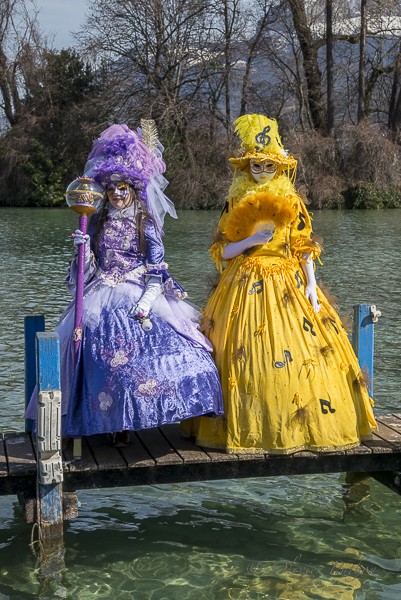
pixel 50 471
pixel 363 340
pixel 31 326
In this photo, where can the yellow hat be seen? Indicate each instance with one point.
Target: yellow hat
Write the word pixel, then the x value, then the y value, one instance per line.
pixel 260 140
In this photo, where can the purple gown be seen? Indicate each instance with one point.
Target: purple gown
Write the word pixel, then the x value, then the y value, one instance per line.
pixel 127 378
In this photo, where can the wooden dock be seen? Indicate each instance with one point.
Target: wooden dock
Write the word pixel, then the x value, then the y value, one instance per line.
pixel 160 456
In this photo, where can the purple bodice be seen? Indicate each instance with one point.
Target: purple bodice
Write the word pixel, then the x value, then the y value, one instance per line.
pixel 118 247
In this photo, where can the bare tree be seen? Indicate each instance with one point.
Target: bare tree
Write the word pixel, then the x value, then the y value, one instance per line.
pixel 329 65
pixel 362 62
pixel 312 71
pixel 262 15
pixel 229 10
pixel 153 52
pixel 20 54
pixel 394 116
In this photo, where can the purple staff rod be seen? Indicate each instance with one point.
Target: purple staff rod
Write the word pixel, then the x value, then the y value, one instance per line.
pixel 83 196
pixel 79 291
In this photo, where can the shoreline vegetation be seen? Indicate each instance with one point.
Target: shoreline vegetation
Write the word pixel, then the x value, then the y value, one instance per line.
pixel 347 170
pixel 329 73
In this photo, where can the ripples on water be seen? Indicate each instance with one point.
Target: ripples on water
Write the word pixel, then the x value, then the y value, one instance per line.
pixel 282 538
pixel 306 537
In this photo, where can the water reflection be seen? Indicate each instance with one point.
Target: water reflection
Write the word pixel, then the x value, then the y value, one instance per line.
pixel 281 538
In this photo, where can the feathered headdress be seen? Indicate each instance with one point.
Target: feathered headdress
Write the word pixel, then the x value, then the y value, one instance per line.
pixel 136 158
pixel 120 153
pixel 260 140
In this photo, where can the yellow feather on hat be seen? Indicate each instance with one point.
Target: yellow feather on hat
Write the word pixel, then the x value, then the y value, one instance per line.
pixel 259 133
pixel 260 140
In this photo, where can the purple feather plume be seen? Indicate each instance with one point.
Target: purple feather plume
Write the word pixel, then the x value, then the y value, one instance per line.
pixel 120 153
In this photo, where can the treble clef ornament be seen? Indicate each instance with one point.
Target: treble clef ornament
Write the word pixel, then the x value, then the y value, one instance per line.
pixel 263 138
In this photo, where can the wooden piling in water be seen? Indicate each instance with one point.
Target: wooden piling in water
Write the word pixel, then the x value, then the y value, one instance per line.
pixel 365 315
pixel 49 462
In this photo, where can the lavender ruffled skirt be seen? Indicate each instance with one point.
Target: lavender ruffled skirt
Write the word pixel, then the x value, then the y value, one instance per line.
pixel 130 379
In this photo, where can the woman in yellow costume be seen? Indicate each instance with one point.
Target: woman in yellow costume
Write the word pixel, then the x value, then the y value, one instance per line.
pixel 290 378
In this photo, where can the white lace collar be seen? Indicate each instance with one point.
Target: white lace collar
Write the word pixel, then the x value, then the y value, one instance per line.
pixel 117 213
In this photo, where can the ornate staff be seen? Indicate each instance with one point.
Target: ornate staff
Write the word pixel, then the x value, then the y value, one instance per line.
pixel 83 196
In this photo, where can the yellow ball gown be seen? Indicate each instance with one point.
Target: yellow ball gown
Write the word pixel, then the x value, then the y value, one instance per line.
pixel 290 378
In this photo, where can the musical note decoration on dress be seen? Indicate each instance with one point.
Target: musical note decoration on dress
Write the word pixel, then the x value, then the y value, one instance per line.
pixel 225 208
pixel 287 357
pixel 256 287
pixel 298 279
pixel 325 405
pixel 301 224
pixel 332 321
pixel 308 326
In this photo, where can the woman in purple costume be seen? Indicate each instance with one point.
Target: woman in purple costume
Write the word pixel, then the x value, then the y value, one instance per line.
pixel 143 361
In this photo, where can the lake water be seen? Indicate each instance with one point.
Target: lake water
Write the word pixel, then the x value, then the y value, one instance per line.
pixel 295 538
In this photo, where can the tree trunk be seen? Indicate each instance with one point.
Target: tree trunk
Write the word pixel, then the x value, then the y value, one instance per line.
pixel 329 65
pixel 227 66
pixel 394 111
pixel 362 61
pixel 312 72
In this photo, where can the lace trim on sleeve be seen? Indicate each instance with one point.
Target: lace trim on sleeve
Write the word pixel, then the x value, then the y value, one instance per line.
pixel 304 246
pixel 216 252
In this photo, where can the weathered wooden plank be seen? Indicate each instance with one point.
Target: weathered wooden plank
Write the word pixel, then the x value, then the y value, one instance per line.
pixel 158 447
pixel 218 456
pixel 361 449
pixel 209 471
pixel 20 453
pixel 86 462
pixel 273 466
pixel 253 456
pixel 379 445
pixel 392 421
pixel 135 455
pixel 3 459
pixel 163 456
pixel 387 432
pixel 104 453
pixel 304 454
pixel 189 452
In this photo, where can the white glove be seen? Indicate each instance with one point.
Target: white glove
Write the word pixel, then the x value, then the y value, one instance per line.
pixel 78 239
pixel 146 301
pixel 257 239
pixel 310 289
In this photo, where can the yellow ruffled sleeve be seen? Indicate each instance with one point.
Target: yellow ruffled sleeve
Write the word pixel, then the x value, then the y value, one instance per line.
pixel 301 237
pixel 216 250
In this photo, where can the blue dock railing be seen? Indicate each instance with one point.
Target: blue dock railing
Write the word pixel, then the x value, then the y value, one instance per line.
pixel 363 338
pixel 32 325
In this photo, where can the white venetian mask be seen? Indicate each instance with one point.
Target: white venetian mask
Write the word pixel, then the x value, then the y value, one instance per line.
pixel 263 170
